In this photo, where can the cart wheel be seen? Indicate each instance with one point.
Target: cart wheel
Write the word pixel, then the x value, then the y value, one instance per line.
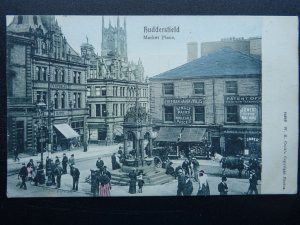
pixel 157 162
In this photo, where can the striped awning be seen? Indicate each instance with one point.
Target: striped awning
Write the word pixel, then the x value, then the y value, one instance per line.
pixel 192 134
pixel 66 130
pixel 170 134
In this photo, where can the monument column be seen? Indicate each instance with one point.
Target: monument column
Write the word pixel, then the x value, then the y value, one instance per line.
pixel 150 146
pixel 125 144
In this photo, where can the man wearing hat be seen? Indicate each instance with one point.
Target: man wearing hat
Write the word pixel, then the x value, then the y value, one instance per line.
pixel 23 173
pixel 57 162
pixel 222 187
pixel 64 163
pixel 196 167
pixel 75 175
pixel 252 183
pixel 71 163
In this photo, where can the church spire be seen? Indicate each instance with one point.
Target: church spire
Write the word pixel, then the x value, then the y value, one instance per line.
pixel 102 33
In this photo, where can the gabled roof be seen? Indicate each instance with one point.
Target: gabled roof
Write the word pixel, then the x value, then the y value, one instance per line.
pixel 224 62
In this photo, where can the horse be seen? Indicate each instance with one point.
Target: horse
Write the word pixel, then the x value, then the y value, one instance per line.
pixel 230 162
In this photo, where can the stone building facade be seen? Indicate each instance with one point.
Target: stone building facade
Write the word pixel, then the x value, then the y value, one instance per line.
pixel 215 99
pixel 40 61
pixel 113 84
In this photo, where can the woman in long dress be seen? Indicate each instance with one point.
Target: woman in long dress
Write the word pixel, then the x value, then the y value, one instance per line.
pixel 132 182
pixel 104 186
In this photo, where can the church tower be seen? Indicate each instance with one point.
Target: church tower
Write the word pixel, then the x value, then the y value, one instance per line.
pixel 114 40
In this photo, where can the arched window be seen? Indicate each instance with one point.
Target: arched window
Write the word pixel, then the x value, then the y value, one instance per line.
pixel 74 77
pixel 20 19
pixel 44 70
pixel 35 20
pixel 38 72
pixel 62 74
pixel 44 48
pixel 56 101
pixel 56 76
pixel 63 99
pixel 78 77
pixel 78 100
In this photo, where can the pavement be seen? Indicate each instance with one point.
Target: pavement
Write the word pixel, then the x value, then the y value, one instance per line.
pixel 236 186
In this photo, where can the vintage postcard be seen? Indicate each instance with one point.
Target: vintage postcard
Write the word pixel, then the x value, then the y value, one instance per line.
pixel 151 105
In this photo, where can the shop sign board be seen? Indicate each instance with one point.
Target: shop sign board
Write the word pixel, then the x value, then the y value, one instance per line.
pixel 184 101
pixel 236 99
pixel 183 114
pixel 241 131
pixel 249 114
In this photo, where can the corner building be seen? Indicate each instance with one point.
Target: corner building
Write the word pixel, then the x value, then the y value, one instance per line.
pixel 215 99
pixel 42 66
pixel 113 84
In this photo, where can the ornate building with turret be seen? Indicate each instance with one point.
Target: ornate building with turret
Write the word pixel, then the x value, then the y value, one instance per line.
pixel 113 84
pixel 43 69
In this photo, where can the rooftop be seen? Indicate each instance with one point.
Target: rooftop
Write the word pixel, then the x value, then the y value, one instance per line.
pixel 224 62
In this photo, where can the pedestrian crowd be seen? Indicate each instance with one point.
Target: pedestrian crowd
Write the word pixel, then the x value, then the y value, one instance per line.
pixel 186 173
pixel 54 172
pixel 102 179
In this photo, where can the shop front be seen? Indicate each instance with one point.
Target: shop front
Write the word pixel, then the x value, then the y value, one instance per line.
pixel 242 130
pixel 64 136
pixel 242 141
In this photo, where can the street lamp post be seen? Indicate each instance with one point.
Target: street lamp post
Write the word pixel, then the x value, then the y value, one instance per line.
pixel 41 106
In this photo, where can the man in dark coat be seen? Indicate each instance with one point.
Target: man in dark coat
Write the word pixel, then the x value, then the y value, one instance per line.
pixel 65 163
pixel 180 185
pixel 58 172
pixel 196 167
pixel 186 166
pixel 40 176
pixel 75 175
pixel 113 161
pixel 23 173
pixel 16 153
pixel 132 182
pixel 57 161
pixel 252 183
pixel 71 163
pixel 48 162
pixel 53 166
pixel 188 186
pixel 222 187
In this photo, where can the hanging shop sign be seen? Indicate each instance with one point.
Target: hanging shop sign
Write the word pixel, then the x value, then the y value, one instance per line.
pixel 184 101
pixel 183 114
pixel 249 114
pixel 236 99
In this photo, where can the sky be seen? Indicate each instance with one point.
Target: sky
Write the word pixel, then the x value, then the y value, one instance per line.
pixel 159 55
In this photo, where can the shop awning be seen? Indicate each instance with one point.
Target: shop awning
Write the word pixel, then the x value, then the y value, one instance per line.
pixel 66 130
pixel 192 134
pixel 170 134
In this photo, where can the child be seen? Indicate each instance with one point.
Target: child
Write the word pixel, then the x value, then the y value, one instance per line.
pixel 140 181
